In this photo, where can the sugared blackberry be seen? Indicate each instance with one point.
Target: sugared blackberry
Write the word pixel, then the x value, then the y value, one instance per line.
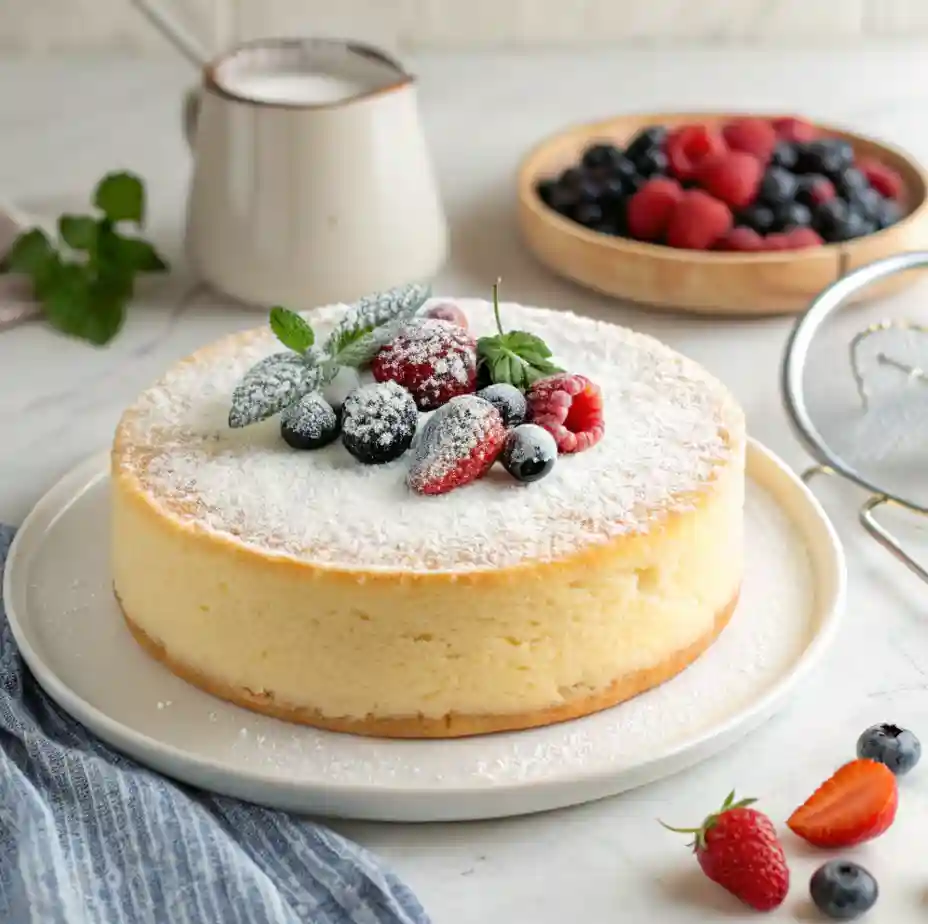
pixel 378 422
pixel 508 400
pixel 309 423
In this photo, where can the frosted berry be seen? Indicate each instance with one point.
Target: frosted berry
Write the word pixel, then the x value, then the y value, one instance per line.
pixel 570 408
pixel 508 400
pixel 309 423
pixel 460 443
pixel 434 360
pixel 447 311
pixel 529 453
pixel 378 422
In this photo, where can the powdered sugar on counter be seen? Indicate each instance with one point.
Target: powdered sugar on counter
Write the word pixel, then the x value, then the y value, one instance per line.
pixel 668 425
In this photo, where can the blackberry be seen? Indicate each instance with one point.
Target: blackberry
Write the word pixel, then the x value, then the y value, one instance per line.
pixel 648 139
pixel 602 156
pixel 588 214
pixel 529 453
pixel 508 400
pixel 652 162
pixel 378 422
pixel 309 423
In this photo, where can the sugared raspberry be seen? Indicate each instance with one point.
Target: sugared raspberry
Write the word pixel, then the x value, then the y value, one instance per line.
pixel 799 238
pixel 883 179
pixel 753 136
pixel 689 145
pixel 698 221
pixel 741 240
pixel 733 177
pixel 649 210
pixel 793 129
pixel 433 360
pixel 570 408
pixel 446 311
pixel 458 445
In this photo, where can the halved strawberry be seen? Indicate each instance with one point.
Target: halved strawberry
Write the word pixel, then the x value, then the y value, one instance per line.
pixel 855 805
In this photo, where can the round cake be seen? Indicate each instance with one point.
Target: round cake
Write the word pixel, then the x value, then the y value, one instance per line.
pixel 321 590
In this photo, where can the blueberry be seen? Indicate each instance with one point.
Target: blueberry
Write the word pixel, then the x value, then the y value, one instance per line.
pixel 378 422
pixel 830 218
pixel 309 423
pixel 601 156
pixel 759 217
pixel 867 201
pixel 896 747
pixel 792 215
pixel 563 198
pixel 508 400
pixel 849 181
pixel 529 453
pixel 785 155
pixel 571 178
pixel 625 171
pixel 809 185
pixel 778 186
pixel 652 162
pixel 852 226
pixel 888 213
pixel 829 156
pixel 842 890
pixel 648 139
pixel 588 213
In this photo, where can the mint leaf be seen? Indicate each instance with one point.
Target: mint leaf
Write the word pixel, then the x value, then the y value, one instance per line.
pixel 271 385
pixel 359 350
pixel 291 329
pixel 121 197
pixel 78 231
pixel 139 256
pixel 30 253
pixel 76 307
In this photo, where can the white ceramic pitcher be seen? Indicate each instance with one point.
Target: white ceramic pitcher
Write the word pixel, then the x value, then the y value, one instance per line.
pixel 312 180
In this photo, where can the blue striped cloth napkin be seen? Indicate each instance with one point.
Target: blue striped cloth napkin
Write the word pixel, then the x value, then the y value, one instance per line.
pixel 89 837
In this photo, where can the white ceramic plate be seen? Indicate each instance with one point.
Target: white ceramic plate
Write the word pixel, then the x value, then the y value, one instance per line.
pixel 60 605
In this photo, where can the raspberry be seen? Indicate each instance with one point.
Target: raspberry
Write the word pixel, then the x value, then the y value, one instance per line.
pixel 689 145
pixel 777 242
pixel 458 445
pixel 799 238
pixel 753 136
pixel 446 311
pixel 733 177
pixel 570 408
pixel 741 240
pixel 814 190
pixel 433 360
pixel 649 210
pixel 698 221
pixel 793 129
pixel 883 179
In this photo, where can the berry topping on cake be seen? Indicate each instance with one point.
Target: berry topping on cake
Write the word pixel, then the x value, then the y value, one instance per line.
pixel 378 422
pixel 459 445
pixel 508 400
pixel 529 453
pixel 310 423
pixel 446 311
pixel 434 360
pixel 570 408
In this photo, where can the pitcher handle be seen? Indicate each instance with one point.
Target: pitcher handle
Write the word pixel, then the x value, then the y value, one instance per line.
pixel 190 115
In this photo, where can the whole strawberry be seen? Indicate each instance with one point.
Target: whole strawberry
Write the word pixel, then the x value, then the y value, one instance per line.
pixel 737 847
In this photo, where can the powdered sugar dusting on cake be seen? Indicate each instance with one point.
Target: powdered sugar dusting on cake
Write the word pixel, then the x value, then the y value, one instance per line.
pixel 670 427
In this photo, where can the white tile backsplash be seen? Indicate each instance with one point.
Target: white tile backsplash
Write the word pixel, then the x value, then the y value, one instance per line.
pixel 45 25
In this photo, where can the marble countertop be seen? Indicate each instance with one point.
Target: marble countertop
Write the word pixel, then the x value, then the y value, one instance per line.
pixel 64 122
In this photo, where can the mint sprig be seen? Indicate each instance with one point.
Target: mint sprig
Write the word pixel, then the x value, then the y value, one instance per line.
pixel 86 278
pixel 291 329
pixel 515 358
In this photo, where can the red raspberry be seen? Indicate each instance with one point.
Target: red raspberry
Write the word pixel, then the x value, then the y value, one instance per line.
pixel 777 242
pixel 753 136
pixel 433 360
pixel 650 208
pixel 793 129
pixel 733 177
pixel 570 408
pixel 689 145
pixel 446 311
pixel 883 179
pixel 741 240
pixel 800 238
pixel 698 221
pixel 817 190
pixel 458 445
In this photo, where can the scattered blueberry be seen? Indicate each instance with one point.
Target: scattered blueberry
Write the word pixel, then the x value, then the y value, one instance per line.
pixel 842 890
pixel 529 453
pixel 601 156
pixel 792 215
pixel 777 187
pixel 309 423
pixel 759 217
pixel 648 139
pixel 508 400
pixel 785 155
pixel 378 422
pixel 896 747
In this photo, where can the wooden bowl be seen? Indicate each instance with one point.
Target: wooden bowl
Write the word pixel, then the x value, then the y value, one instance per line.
pixel 782 282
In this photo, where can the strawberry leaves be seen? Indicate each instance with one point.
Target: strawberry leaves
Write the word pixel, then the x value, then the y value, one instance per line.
pixel 516 358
